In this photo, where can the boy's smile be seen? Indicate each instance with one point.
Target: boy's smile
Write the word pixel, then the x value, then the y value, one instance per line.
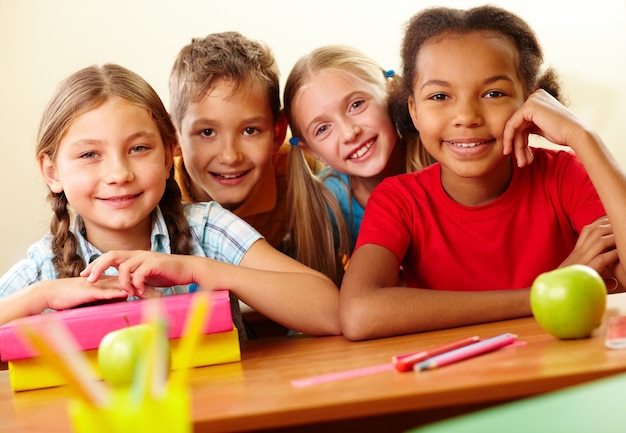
pixel 227 140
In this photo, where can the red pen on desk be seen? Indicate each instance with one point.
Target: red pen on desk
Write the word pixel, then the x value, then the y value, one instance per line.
pixel 466 352
pixel 406 362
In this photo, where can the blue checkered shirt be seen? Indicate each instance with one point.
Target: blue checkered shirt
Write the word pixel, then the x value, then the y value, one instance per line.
pixel 216 233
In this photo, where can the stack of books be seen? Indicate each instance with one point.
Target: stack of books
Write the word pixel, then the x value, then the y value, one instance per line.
pixel 218 343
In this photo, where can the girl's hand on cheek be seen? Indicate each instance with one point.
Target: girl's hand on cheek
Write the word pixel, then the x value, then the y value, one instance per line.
pixel 543 115
pixel 516 132
pixel 516 141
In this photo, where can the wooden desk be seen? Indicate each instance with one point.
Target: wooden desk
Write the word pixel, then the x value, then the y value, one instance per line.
pixel 256 394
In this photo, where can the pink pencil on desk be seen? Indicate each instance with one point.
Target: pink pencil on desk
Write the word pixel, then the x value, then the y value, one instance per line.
pixel 466 352
pixel 400 362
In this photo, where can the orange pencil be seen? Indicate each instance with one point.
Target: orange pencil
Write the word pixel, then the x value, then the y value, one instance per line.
pixel 57 346
pixel 406 362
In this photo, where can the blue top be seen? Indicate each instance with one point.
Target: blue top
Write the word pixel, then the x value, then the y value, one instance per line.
pixel 339 184
pixel 216 233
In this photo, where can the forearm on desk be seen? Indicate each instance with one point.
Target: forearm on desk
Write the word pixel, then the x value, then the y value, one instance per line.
pixel 391 311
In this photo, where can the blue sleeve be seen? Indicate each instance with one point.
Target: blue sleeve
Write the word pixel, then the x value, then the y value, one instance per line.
pixel 218 233
pixel 37 266
pixel 339 185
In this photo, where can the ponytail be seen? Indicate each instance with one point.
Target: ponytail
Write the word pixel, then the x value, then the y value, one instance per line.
pixel 313 207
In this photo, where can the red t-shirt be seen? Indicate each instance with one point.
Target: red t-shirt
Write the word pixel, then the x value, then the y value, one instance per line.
pixel 505 244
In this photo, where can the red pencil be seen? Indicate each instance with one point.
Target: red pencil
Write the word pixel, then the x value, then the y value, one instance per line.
pixel 407 361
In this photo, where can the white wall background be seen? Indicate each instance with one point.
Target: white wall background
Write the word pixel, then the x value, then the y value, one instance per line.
pixel 42 41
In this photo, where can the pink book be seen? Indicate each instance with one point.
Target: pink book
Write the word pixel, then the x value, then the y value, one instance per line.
pixel 90 324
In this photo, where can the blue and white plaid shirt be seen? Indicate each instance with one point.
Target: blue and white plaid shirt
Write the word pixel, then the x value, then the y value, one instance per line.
pixel 216 232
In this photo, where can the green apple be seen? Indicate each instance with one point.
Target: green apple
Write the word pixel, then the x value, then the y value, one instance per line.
pixel 120 351
pixel 569 302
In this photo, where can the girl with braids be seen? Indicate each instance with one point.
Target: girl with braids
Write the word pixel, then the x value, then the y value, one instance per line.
pixel 336 104
pixel 475 229
pixel 105 149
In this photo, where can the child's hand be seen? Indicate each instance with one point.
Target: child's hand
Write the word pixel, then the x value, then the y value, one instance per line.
pixel 543 115
pixel 69 292
pixel 141 271
pixel 616 270
pixel 595 247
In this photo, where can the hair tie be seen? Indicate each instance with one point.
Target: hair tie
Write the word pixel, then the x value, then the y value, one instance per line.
pixel 390 73
pixel 294 141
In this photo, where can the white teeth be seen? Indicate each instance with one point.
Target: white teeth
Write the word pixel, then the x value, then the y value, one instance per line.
pixel 466 144
pixel 230 176
pixel 128 197
pixel 359 153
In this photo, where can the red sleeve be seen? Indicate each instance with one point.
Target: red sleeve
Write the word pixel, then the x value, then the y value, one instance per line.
pixel 578 196
pixel 388 217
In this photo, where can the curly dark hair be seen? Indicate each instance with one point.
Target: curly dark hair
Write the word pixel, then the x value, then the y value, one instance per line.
pixel 436 21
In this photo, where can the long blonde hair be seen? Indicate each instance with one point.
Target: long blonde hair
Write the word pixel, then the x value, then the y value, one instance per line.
pixel 313 206
pixel 77 94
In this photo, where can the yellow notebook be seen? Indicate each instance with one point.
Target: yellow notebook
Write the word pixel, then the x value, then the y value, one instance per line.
pixel 216 348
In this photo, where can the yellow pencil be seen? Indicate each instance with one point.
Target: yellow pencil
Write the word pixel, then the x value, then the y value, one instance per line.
pixel 197 315
pixel 57 346
pixel 159 365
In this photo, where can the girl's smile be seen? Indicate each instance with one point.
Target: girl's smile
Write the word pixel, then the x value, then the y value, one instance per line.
pixel 120 202
pixel 362 150
pixel 466 143
pixel 469 148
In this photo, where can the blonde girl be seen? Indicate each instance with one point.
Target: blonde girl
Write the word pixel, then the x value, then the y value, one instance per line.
pixel 337 107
